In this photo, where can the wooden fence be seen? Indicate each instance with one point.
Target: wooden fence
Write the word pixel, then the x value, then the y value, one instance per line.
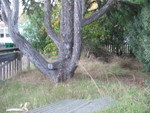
pixel 121 50
pixel 10 63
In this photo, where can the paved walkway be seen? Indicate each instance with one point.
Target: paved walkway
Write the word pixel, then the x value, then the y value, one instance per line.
pixel 75 106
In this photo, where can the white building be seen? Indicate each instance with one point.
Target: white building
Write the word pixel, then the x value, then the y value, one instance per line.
pixel 4 35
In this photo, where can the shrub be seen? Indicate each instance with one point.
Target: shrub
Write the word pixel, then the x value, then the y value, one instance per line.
pixel 139 37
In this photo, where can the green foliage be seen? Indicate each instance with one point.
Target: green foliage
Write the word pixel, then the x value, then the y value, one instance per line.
pixel 137 1
pixel 31 26
pixel 50 47
pixel 34 30
pixel 108 29
pixel 94 34
pixel 55 17
pixel 31 6
pixel 139 34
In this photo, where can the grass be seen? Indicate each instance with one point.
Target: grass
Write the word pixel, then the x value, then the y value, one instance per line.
pixel 131 88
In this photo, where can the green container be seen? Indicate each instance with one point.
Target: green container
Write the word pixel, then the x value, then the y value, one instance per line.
pixel 9 45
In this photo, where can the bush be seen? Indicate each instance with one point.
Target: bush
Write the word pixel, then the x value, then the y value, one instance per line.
pixel 34 31
pixel 139 37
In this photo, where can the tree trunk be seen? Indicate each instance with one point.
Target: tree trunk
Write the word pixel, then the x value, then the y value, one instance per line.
pixel 66 37
pixel 70 39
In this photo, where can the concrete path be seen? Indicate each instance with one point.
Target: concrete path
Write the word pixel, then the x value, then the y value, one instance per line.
pixel 76 106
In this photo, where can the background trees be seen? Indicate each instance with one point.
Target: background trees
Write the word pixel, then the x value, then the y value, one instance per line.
pixel 122 25
pixel 109 30
pixel 138 32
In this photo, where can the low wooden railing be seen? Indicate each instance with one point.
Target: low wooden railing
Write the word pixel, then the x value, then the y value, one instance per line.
pixel 10 62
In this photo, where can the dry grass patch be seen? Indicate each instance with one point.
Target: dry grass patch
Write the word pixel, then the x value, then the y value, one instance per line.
pixel 101 70
pixel 128 63
pixel 31 77
pixel 120 69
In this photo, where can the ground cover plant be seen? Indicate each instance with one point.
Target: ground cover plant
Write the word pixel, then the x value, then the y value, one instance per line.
pixel 129 86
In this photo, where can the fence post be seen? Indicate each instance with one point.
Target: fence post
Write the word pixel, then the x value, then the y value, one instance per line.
pixel 19 62
pixel 1 76
pixel 28 63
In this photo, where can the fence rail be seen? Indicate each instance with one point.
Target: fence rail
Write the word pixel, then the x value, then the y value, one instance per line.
pixel 10 62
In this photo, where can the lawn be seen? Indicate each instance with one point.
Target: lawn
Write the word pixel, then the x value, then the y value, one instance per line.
pixel 120 80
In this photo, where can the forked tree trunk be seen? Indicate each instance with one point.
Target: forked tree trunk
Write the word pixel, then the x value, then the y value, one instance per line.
pixel 69 41
pixel 70 36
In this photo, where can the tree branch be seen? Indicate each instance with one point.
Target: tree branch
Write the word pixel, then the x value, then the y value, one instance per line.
pixel 47 21
pixel 83 8
pixel 15 10
pixel 77 35
pixel 4 18
pixel 6 8
pixel 98 14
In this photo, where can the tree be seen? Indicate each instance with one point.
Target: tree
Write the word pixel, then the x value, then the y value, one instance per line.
pixel 139 34
pixel 69 40
pixel 109 29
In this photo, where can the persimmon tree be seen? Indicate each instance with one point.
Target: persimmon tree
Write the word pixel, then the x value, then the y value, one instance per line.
pixel 68 41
